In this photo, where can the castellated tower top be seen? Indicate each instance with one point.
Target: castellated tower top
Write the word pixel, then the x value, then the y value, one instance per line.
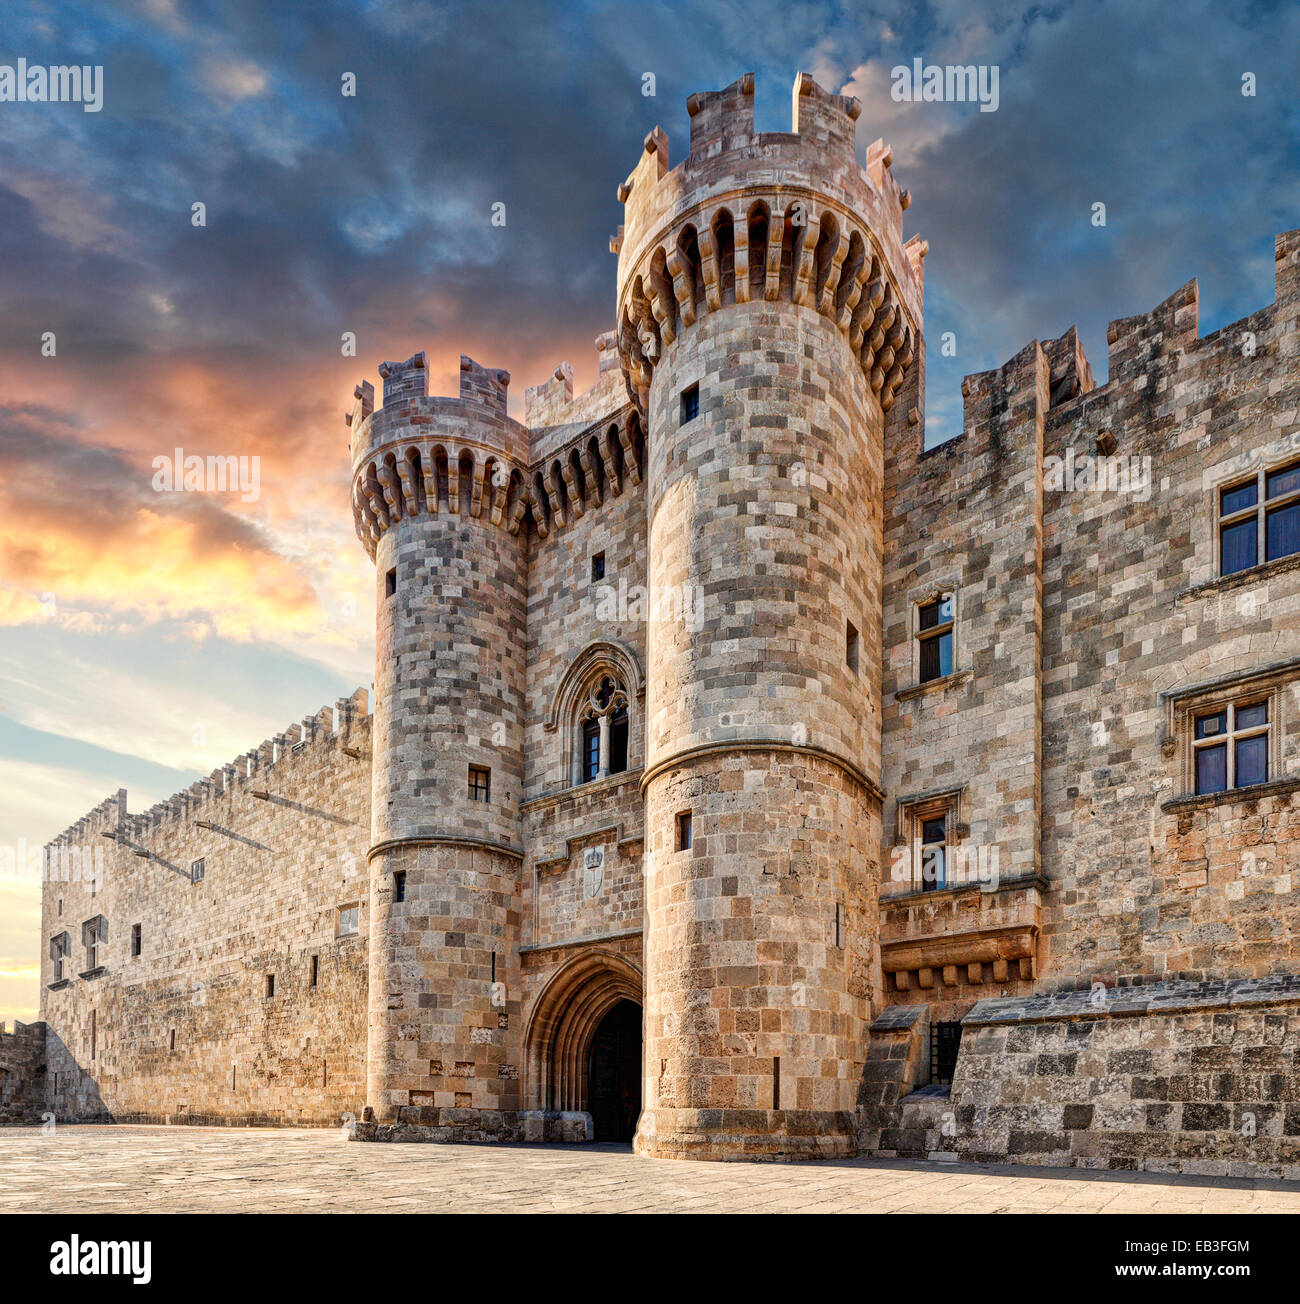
pixel 418 455
pixel 781 216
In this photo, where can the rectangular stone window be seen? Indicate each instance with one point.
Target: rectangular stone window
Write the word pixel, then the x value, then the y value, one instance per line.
pixel 349 920
pixel 934 636
pixel 934 852
pixel 690 403
pixel 94 934
pixel 60 950
pixel 1259 519
pixel 598 567
pixel 390 583
pixel 399 886
pixel 196 872
pixel 1229 733
pixel 171 1040
pixel 851 646
pixel 315 971
pixel 480 783
pixel 270 985
pixel 94 1034
pixel 928 833
pixel 136 941
pixel 684 831
pixel 1230 747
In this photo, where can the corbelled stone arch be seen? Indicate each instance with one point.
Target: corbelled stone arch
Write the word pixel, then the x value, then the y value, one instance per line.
pixel 614 447
pixel 442 480
pixel 563 1021
pixel 684 264
pixel 723 228
pixel 663 303
pixel 577 477
pixel 849 289
pixel 465 483
pixel 830 253
pixel 516 502
pixel 595 464
pixel 758 226
pixel 413 478
pixel 488 491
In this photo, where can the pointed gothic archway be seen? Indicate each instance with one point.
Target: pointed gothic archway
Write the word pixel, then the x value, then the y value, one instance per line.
pixel 583 1042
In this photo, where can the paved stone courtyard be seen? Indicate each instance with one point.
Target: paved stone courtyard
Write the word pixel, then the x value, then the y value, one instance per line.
pixel 185 1170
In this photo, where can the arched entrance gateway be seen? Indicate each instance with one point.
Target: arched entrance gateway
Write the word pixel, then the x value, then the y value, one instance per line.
pixel 584 1044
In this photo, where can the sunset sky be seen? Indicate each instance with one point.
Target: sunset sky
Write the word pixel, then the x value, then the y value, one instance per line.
pixel 147 637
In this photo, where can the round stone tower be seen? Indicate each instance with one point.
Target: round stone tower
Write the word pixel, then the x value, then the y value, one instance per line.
pixel 437 493
pixel 767 313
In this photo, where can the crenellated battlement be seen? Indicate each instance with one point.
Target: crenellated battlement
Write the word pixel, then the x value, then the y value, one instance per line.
pixel 417 455
pixel 1147 351
pixel 773 216
pixel 345 726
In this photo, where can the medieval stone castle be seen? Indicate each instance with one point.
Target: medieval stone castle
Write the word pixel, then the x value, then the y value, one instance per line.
pixel 743 776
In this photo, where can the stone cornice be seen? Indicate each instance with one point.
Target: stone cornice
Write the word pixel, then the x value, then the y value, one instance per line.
pixel 763 745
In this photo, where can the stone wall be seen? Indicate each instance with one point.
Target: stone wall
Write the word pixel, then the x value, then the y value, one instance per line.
pixel 1153 882
pixel 791 967
pixel 1171 1077
pixel 22 1073
pixel 1090 628
pixel 188 1030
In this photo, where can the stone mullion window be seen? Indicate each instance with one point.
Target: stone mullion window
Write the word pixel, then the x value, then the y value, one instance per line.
pixel 1259 519
pixel 1230 747
pixel 60 948
pixel 1230 735
pixel 94 933
pixel 602 732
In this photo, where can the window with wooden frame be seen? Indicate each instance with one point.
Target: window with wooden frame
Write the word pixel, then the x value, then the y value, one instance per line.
pixel 934 638
pixel 1230 746
pixel 934 852
pixel 480 783
pixel 928 828
pixel 1230 733
pixel 1259 518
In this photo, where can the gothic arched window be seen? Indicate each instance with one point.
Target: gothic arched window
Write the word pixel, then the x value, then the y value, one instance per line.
pixel 602 731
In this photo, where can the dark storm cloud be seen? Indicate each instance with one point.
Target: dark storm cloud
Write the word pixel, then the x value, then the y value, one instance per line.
pixel 371 214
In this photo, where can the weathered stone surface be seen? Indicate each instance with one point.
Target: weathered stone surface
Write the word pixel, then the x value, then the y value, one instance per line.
pixel 705 577
pixel 22 1073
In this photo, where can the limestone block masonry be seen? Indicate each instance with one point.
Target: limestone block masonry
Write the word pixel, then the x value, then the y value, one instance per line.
pixel 22 1073
pixel 746 779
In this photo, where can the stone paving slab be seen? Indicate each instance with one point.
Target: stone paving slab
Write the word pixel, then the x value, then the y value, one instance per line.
pixel 137 1169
